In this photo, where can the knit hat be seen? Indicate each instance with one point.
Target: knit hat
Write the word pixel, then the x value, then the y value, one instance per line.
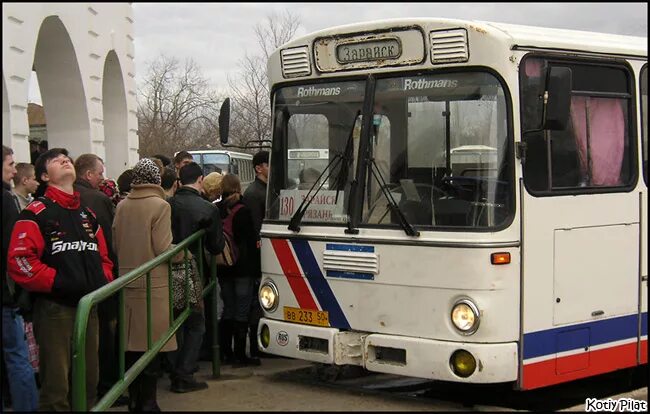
pixel 146 172
pixel 260 158
pixel 109 187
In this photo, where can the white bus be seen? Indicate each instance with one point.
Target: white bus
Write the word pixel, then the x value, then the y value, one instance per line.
pixel 484 219
pixel 226 162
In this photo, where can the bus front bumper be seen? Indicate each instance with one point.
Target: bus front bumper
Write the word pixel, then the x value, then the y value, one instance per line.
pixel 392 354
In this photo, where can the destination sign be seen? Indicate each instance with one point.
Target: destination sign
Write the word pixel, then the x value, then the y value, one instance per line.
pixel 304 154
pixel 368 51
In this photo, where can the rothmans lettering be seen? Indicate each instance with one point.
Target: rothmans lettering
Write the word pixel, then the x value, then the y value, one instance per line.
pixel 417 84
pixel 313 91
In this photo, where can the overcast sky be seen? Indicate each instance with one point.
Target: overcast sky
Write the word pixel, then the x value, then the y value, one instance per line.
pixel 216 35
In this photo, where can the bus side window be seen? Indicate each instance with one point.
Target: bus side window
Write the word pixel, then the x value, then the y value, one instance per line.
pixel 595 149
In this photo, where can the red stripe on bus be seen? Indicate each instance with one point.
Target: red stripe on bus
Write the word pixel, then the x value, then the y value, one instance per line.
pixel 292 272
pixel 545 373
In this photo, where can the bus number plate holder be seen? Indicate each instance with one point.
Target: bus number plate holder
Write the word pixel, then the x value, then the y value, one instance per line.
pixel 306 316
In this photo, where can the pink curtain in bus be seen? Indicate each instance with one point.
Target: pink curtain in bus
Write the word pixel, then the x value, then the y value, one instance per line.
pixel 606 137
pixel 533 67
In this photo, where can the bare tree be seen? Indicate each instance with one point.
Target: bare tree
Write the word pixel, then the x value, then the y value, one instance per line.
pixel 251 111
pixel 279 29
pixel 176 108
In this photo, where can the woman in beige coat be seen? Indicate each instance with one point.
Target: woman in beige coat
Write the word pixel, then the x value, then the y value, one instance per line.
pixel 142 231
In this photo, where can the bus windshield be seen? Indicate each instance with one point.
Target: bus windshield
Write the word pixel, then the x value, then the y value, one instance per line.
pixel 441 144
pixel 311 121
pixel 438 146
pixel 211 162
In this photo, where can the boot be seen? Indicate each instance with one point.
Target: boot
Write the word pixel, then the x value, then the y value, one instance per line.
pixel 241 360
pixel 148 392
pixel 135 402
pixel 252 339
pixel 225 341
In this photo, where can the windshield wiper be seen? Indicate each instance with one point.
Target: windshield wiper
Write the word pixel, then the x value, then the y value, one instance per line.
pixel 408 228
pixel 344 173
pixel 339 181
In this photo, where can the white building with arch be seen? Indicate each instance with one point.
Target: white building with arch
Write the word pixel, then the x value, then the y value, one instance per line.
pixel 84 58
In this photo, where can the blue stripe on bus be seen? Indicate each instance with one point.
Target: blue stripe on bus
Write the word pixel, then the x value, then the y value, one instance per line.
pixel 644 323
pixel 350 248
pixel 350 275
pixel 319 284
pixel 542 343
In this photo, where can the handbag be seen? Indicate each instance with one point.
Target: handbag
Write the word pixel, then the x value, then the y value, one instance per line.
pixel 179 284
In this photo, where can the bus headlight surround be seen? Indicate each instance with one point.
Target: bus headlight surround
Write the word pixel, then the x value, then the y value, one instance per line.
pixel 465 316
pixel 268 296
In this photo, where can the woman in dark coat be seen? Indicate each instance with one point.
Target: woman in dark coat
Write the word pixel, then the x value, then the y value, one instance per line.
pixel 238 281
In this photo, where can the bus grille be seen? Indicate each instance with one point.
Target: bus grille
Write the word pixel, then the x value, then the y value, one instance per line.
pixel 295 62
pixel 449 46
pixel 351 262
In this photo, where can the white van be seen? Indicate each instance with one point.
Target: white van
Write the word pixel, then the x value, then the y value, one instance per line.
pixel 226 162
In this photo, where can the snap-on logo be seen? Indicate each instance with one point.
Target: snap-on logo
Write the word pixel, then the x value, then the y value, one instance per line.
pixel 59 246
pixel 282 338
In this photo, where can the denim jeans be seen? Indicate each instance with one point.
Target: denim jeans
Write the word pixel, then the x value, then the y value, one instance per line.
pixel 189 338
pixel 237 294
pixel 20 374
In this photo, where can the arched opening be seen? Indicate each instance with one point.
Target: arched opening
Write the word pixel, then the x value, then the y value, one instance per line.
pixel 61 88
pixel 6 116
pixel 115 117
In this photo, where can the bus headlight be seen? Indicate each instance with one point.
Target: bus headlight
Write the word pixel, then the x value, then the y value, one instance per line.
pixel 465 316
pixel 462 363
pixel 265 336
pixel 268 296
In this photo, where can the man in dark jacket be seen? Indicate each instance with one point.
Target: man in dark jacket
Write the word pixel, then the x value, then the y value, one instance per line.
pixel 190 213
pixel 57 251
pixel 255 194
pixel 255 200
pixel 89 169
pixel 20 374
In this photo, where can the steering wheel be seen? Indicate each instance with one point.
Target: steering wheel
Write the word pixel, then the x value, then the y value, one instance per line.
pixel 397 187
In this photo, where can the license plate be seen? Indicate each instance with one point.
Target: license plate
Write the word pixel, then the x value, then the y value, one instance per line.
pixel 306 316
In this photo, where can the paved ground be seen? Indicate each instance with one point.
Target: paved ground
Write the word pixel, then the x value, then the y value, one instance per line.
pixel 291 385
pixel 259 389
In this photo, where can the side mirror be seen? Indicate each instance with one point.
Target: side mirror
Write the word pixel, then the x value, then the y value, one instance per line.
pixel 224 121
pixel 558 87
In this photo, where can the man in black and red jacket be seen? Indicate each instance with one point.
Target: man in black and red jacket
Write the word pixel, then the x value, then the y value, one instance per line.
pixel 58 252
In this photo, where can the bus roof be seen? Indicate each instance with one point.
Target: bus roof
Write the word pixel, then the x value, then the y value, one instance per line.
pixel 540 37
pixel 231 153
pixel 515 35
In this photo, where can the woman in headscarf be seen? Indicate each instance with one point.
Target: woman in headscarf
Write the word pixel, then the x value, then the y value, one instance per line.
pixel 142 231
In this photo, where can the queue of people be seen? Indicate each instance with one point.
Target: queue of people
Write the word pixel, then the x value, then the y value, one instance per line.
pixel 68 230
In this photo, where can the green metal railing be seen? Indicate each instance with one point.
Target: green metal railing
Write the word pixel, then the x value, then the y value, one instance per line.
pixel 87 302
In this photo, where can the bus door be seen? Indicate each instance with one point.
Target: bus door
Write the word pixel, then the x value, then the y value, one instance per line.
pixel 580 224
